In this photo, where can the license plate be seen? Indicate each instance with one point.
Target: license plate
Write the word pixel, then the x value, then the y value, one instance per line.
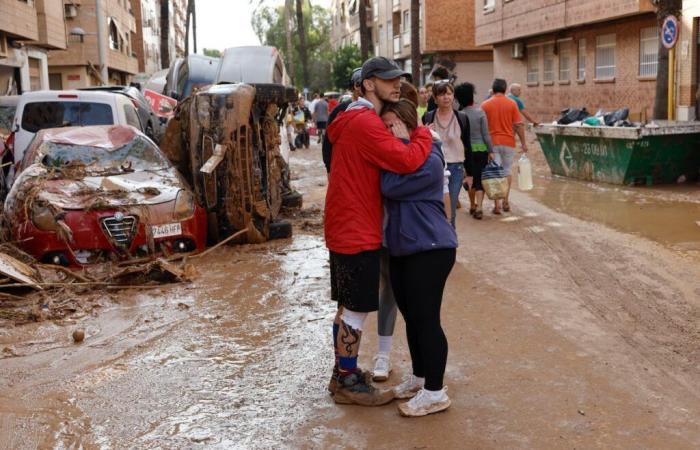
pixel 169 229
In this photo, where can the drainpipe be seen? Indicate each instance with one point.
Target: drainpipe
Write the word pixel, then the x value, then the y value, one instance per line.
pixel 671 83
pixel 101 43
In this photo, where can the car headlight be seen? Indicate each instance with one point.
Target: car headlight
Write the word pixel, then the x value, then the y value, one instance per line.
pixel 184 205
pixel 43 218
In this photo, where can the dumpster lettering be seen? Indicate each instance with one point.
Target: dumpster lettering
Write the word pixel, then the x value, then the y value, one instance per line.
pixel 567 161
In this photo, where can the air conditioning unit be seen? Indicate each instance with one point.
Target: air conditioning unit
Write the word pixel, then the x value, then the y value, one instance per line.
pixel 517 50
pixel 70 11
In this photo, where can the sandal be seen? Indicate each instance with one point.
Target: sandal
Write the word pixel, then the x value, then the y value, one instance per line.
pixel 506 207
pixel 496 211
pixel 478 214
pixel 472 211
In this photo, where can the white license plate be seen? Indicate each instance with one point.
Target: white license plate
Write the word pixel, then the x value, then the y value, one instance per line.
pixel 169 229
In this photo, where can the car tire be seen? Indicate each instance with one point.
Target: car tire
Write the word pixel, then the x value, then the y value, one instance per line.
pixel 280 230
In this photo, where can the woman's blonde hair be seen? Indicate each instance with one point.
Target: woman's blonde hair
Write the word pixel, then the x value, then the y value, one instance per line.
pixel 405 110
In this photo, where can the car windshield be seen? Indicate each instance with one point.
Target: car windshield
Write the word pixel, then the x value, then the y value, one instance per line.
pixel 137 155
pixel 53 114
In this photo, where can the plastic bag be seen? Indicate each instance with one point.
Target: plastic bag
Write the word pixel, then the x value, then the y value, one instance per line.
pixel 571 115
pixel 494 180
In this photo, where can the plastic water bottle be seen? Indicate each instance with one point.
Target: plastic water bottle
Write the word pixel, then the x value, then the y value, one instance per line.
pixel 524 173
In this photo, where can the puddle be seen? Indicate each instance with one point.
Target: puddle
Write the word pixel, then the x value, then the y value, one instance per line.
pixel 665 214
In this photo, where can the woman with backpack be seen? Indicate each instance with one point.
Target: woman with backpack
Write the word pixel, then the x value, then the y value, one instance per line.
pixel 453 128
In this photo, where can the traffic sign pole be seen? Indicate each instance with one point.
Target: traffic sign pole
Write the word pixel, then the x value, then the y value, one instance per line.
pixel 671 83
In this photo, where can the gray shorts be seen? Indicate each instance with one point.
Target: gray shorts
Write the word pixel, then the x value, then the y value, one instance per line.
pixel 503 155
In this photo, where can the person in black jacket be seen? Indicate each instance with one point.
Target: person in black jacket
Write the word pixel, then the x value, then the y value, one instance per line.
pixel 453 128
pixel 327 147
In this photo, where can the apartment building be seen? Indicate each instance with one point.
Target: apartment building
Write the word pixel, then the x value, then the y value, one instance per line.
pixel 78 65
pixel 567 53
pixel 28 29
pixel 160 38
pixel 446 35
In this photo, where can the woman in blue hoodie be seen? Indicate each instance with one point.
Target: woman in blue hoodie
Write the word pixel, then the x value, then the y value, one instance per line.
pixel 422 245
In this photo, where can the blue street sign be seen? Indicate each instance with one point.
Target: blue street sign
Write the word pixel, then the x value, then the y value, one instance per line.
pixel 669 32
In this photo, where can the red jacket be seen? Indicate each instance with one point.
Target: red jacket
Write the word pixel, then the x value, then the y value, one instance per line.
pixel 362 147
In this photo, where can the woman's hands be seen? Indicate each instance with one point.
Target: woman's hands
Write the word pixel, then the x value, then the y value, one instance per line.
pixel 399 130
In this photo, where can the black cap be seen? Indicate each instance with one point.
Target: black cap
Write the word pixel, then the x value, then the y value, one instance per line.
pixel 383 68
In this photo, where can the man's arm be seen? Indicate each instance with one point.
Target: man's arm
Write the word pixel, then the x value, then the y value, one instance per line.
pixel 378 146
pixel 520 130
pixel 528 117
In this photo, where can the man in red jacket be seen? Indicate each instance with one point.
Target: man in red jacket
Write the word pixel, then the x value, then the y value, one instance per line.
pixel 362 148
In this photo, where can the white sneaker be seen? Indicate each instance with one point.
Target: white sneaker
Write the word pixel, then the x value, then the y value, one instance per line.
pixel 409 387
pixel 425 403
pixel 382 367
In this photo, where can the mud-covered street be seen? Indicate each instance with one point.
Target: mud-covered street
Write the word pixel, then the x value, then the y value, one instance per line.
pixel 573 322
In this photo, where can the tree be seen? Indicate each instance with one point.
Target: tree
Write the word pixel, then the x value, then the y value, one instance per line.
pixel 416 58
pixel 301 31
pixel 214 53
pixel 288 4
pixel 664 8
pixel 364 29
pixel 345 60
pixel 270 27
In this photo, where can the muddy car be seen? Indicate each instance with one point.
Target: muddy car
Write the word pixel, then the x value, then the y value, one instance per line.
pixel 225 138
pixel 101 193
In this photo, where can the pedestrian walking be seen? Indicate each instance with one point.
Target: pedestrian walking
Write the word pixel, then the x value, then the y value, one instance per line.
pixel 423 96
pixel 481 146
pixel 514 94
pixel 439 74
pixel 320 116
pixel 453 128
pixel 301 117
pixel 422 245
pixel 503 117
pixel 362 147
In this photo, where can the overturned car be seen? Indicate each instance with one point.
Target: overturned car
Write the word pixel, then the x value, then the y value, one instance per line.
pixel 101 193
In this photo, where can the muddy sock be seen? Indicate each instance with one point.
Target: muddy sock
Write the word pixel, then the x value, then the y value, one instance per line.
pixel 348 365
pixel 336 327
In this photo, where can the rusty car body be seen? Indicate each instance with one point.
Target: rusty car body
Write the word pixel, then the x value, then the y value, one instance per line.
pixel 101 193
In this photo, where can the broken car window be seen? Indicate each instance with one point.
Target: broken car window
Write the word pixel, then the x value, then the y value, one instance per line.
pixel 39 115
pixel 138 154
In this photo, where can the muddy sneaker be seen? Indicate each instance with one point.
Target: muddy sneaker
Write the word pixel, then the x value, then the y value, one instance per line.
pixel 382 367
pixel 333 384
pixel 425 403
pixel 355 389
pixel 409 386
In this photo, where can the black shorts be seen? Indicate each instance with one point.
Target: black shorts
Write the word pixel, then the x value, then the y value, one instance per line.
pixel 321 125
pixel 355 280
pixel 479 161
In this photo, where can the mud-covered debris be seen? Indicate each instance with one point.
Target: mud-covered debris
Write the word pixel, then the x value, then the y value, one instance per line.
pixel 19 271
pixel 78 336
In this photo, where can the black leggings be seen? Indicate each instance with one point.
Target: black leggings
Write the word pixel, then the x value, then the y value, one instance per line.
pixel 418 281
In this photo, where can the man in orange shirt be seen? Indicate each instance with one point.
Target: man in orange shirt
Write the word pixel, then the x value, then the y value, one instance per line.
pixel 504 118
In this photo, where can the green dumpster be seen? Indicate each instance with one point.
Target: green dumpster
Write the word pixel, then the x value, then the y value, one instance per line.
pixel 668 153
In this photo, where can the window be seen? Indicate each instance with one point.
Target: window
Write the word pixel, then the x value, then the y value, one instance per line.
pixel 113 36
pixel 132 118
pixel 489 5
pixel 581 71
pixel 605 56
pixel 548 72
pixel 648 51
pixel 565 61
pixel 533 64
pixel 39 115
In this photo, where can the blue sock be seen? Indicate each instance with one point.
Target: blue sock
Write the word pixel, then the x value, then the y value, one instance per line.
pixel 348 364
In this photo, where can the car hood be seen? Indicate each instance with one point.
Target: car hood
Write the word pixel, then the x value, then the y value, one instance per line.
pixel 138 188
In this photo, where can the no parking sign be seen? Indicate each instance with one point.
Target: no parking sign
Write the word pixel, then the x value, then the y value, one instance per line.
pixel 669 32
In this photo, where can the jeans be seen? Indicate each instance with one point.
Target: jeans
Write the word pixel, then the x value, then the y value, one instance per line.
pixel 455 185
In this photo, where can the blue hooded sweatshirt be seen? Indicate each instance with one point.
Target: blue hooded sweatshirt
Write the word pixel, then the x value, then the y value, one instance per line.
pixel 416 220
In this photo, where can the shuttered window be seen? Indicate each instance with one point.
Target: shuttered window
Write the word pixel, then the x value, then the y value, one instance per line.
pixel 649 51
pixel 565 61
pixel 581 58
pixel 548 72
pixel 605 56
pixel 533 64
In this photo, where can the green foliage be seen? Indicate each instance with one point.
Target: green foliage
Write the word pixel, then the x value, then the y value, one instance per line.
pixel 214 53
pixel 268 24
pixel 345 60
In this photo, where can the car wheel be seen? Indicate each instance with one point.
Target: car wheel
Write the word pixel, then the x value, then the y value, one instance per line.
pixel 280 230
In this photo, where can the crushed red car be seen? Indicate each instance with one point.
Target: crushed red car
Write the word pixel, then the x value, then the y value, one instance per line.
pixel 101 193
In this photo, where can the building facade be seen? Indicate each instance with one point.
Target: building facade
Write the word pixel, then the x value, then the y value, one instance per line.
pixel 28 30
pixel 600 54
pixel 687 61
pixel 78 65
pixel 446 35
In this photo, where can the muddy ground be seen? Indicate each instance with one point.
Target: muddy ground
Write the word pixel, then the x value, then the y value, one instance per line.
pixel 573 322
